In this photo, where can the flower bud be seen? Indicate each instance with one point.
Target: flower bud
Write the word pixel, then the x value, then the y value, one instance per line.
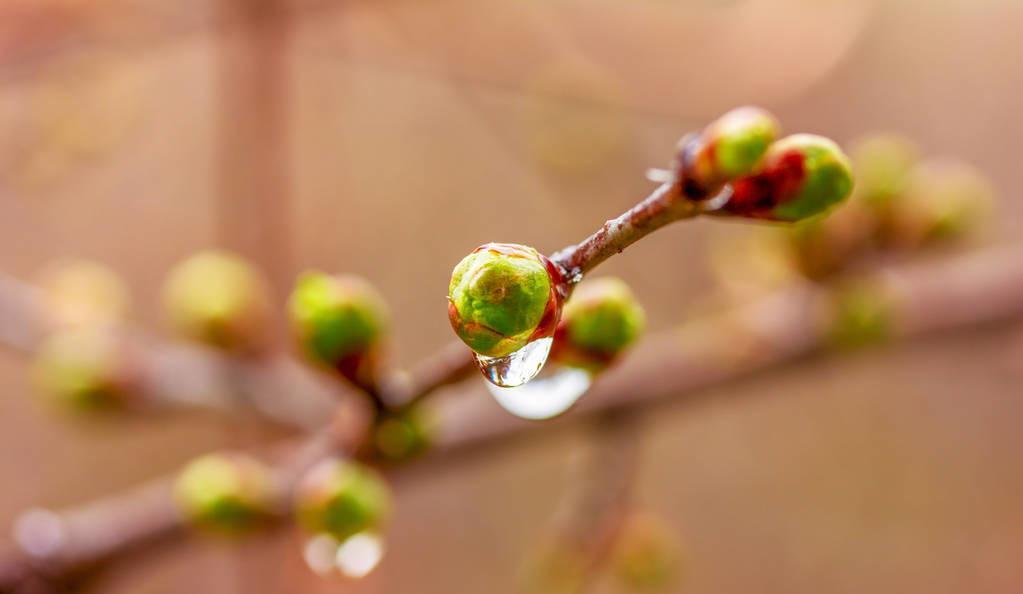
pixel 600 321
pixel 341 499
pixel 799 176
pixel 943 200
pixel 89 368
pixel 646 556
pixel 502 296
pixel 83 293
pixel 224 492
pixel 403 435
pixel 217 298
pixel 339 321
pixel 728 148
pixel 859 314
pixel 824 245
pixel 883 165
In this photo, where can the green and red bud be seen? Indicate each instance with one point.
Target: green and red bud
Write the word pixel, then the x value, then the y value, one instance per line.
pixel 340 322
pixel 503 296
pixel 342 499
pixel 599 322
pixel 226 493
pixel 92 368
pixel 646 556
pixel 217 298
pixel 728 148
pixel 798 177
pixel 83 293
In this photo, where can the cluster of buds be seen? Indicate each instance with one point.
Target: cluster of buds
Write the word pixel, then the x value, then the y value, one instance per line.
pixel 342 499
pixel 88 369
pixel 600 321
pixel 219 299
pixel 503 296
pixel 225 493
pixel 740 158
pixel 339 322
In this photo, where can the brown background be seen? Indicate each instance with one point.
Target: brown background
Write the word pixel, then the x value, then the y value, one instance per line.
pixel 388 137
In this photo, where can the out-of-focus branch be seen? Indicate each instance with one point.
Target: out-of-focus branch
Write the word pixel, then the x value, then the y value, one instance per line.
pixel 964 292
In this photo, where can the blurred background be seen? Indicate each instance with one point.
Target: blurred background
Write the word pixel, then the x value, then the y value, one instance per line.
pixel 389 137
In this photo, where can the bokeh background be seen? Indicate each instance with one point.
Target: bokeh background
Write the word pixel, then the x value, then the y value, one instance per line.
pixel 389 137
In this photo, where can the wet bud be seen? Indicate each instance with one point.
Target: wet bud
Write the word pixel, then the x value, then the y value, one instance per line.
pixel 403 435
pixel 943 200
pixel 502 296
pixel 600 321
pixel 730 147
pixel 83 293
pixel 227 493
pixel 646 555
pixel 217 298
pixel 87 369
pixel 342 499
pixel 340 322
pixel 883 163
pixel 799 176
pixel 859 314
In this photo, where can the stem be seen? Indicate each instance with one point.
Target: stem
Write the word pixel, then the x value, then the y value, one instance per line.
pixel 665 205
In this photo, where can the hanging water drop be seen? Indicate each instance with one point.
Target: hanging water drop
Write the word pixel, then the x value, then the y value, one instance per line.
pixel 359 555
pixel 517 368
pixel 547 396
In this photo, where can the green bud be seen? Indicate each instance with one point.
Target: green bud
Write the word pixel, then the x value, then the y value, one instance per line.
pixel 824 245
pixel 86 369
pixel 227 493
pixel 883 165
pixel 646 555
pixel 944 200
pixel 728 148
pixel 339 321
pixel 342 499
pixel 501 296
pixel 403 435
pixel 83 293
pixel 217 298
pixel 600 321
pixel 799 176
pixel 861 314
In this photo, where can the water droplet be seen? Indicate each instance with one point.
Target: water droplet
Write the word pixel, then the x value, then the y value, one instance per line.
pixel 319 554
pixel 547 396
pixel 517 368
pixel 360 554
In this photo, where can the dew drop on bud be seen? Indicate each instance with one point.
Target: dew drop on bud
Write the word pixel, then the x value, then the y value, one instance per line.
pixel 359 555
pixel 546 397
pixel 517 368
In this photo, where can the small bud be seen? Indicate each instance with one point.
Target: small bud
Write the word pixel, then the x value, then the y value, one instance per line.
pixel 859 314
pixel 728 148
pixel 799 176
pixel 502 296
pixel 83 293
pixel 87 369
pixel 646 555
pixel 943 200
pixel 600 321
pixel 340 322
pixel 883 164
pixel 342 499
pixel 217 298
pixel 403 435
pixel 228 493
